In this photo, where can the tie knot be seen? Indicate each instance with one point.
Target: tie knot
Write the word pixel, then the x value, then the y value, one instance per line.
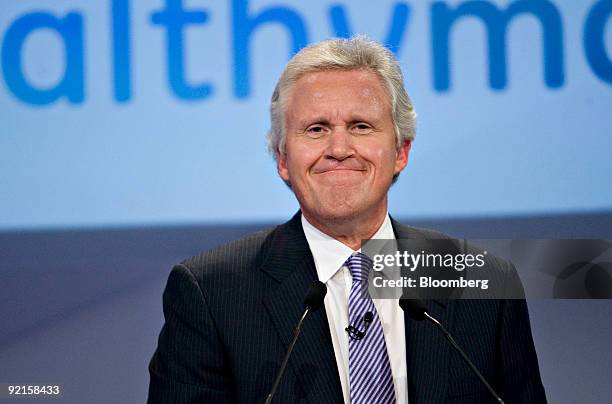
pixel 359 264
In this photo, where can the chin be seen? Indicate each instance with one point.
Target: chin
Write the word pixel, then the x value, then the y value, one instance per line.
pixel 338 213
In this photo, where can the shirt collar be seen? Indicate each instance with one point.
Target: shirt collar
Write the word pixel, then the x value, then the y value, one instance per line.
pixel 330 254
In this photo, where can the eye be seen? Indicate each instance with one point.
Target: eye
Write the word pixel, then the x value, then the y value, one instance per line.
pixel 316 130
pixel 361 128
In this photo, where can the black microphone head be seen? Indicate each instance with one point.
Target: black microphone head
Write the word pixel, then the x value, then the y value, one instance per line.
pixel 414 307
pixel 314 297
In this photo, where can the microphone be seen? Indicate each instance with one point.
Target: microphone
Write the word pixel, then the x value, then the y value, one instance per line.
pixel 315 295
pixel 354 333
pixel 313 300
pixel 416 310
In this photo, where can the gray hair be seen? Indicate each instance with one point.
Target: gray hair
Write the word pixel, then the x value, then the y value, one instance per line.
pixel 357 52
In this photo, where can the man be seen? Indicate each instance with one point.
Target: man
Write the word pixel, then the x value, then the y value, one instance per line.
pixel 342 126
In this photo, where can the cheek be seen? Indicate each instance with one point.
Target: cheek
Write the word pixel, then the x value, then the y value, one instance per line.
pixel 381 156
pixel 301 157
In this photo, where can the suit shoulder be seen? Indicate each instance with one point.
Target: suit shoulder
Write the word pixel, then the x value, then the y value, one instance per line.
pixel 420 232
pixel 230 256
pixel 463 245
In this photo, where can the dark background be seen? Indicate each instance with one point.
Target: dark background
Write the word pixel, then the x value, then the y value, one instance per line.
pixel 83 308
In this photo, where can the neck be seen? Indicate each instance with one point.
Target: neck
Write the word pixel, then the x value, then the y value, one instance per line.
pixel 349 231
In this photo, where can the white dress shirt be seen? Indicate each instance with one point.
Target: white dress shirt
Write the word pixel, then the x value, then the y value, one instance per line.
pixel 329 256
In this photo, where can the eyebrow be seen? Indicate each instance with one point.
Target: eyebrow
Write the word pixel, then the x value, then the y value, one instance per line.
pixel 312 120
pixel 323 120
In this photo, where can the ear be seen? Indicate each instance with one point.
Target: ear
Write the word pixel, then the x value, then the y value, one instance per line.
pixel 401 159
pixel 281 165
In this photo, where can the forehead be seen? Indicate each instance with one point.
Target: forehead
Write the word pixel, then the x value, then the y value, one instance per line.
pixel 338 92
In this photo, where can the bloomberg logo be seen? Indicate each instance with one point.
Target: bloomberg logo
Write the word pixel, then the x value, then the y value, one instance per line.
pixel 174 19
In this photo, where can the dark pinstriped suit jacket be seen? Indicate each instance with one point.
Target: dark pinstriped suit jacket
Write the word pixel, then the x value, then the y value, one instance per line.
pixel 230 314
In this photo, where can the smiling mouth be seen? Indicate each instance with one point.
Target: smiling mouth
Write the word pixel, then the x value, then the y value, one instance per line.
pixel 342 173
pixel 341 176
pixel 340 170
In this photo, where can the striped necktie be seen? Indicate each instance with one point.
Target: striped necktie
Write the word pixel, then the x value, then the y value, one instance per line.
pixel 370 377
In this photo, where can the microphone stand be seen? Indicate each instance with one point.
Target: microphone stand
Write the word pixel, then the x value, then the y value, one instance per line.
pixel 464 356
pixel 296 334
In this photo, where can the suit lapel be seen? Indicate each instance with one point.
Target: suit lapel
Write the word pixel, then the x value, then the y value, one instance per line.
pixel 427 351
pixel 313 362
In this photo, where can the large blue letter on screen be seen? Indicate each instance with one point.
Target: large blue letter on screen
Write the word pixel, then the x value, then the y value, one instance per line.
pixel 496 22
pixel 70 29
pixel 244 25
pixel 397 28
pixel 594 44
pixel 173 17
pixel 121 49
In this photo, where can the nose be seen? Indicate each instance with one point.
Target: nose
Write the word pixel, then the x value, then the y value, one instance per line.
pixel 340 144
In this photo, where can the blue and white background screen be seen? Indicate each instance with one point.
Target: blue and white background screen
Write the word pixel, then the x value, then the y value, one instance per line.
pixel 121 113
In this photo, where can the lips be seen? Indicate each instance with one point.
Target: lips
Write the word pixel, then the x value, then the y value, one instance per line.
pixel 339 170
pixel 338 177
